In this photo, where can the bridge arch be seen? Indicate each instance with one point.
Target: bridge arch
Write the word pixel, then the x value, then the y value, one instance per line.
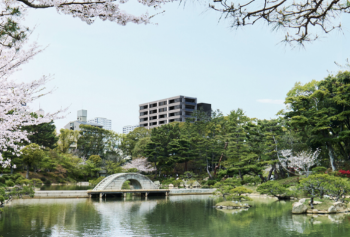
pixel 115 182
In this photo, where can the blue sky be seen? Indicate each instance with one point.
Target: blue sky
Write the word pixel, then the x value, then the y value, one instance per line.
pixel 110 69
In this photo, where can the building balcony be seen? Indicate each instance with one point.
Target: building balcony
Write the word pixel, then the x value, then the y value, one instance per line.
pixel 190 103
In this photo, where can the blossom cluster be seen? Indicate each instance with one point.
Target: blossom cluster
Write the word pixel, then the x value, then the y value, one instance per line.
pixel 347 173
pixel 302 161
pixel 89 10
pixel 141 164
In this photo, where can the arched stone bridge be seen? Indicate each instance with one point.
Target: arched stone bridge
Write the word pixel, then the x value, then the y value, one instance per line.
pixel 115 182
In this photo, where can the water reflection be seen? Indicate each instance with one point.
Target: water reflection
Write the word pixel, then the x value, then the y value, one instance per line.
pixel 174 216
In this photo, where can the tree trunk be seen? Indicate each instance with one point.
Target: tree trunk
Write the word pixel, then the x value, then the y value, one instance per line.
pixel 269 176
pixel 331 155
pixel 208 171
pixel 27 175
pixel 222 155
pixel 240 174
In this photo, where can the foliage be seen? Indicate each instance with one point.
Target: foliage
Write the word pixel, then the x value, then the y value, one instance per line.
pixel 94 182
pixel 135 141
pixel 319 112
pixel 9 183
pixel 238 191
pixel 224 188
pixel 31 154
pixel 319 169
pixel 132 170
pixel 66 138
pixel 324 184
pixel 272 188
pixel 96 159
pixel 113 167
pixel 126 185
pixel 43 134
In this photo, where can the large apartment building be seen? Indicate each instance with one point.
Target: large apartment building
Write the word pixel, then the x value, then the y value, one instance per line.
pixel 178 108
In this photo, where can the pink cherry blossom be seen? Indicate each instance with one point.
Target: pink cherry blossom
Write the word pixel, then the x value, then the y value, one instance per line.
pixel 141 164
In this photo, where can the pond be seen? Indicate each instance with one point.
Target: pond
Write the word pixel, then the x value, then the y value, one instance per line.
pixel 160 216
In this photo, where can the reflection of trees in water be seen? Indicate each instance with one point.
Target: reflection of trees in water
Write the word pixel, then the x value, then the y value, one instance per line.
pixel 176 216
pixel 47 217
pixel 125 218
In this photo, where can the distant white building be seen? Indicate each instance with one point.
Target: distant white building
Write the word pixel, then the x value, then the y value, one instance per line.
pixel 129 128
pixel 106 123
pixel 40 112
pixel 81 119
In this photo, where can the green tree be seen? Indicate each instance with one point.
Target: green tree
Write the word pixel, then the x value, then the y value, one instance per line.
pixel 31 154
pixel 320 110
pixel 92 141
pixel 224 188
pixel 141 146
pixel 238 191
pixel 43 134
pixel 96 159
pixel 66 139
pixel 272 188
pixel 129 141
pixel 158 151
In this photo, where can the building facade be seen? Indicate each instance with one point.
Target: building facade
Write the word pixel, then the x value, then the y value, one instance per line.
pixel 129 128
pixel 178 108
pixel 106 123
pixel 81 119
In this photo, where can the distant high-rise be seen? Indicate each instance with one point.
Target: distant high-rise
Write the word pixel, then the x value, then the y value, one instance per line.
pixel 81 119
pixel 178 108
pixel 82 115
pixel 129 128
pixel 106 123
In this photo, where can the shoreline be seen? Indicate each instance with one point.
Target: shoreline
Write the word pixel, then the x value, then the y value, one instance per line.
pixel 45 194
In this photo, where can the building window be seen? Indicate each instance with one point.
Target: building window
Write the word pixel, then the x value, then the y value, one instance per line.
pixel 175 107
pixel 162 103
pixel 190 100
pixel 174 101
pixel 153 105
pixel 162 110
pixel 143 107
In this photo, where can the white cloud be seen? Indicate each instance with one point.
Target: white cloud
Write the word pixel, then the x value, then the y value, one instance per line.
pixel 270 101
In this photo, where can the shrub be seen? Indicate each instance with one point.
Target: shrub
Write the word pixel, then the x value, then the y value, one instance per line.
pixel 14 177
pixel 47 182
pixel 238 191
pixel 132 170
pixel 319 169
pixel 7 177
pixel 43 179
pixel 177 183
pixel 251 179
pixel 10 183
pixel 272 188
pixel 345 173
pixel 126 185
pixel 211 182
pixel 2 180
pixel 2 199
pixel 36 182
pixel 94 182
